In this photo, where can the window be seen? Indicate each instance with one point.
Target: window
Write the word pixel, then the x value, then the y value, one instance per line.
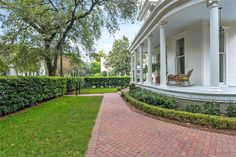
pixel 222 60
pixel 180 58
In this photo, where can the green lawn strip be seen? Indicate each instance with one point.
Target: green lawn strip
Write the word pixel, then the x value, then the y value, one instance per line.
pixel 98 90
pixel 59 127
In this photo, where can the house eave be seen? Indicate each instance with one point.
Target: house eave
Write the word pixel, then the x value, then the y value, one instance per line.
pixel 160 11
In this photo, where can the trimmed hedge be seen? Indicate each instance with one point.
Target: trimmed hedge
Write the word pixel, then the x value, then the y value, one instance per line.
pixel 72 82
pixel 218 122
pixel 20 92
pixel 106 82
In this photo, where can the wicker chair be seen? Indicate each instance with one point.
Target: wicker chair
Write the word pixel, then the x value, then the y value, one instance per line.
pixel 184 77
pixel 179 78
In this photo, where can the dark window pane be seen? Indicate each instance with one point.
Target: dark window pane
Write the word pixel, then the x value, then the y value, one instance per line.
pixel 180 47
pixel 181 65
pixel 222 40
pixel 221 61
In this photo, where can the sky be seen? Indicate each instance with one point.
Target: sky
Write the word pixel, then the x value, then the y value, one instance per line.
pixel 105 42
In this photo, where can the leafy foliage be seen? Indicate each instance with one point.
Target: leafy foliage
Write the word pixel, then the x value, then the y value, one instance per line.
pixel 231 110
pixel 152 98
pixel 182 116
pixel 194 108
pixel 95 67
pixel 20 92
pixel 155 99
pixel 106 82
pixel 212 108
pixel 56 25
pixel 119 57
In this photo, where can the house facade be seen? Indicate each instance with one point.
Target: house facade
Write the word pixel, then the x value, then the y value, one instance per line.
pixel 184 35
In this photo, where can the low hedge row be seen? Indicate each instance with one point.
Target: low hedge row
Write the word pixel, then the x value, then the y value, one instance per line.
pixel 156 99
pixel 20 92
pixel 106 82
pixel 182 116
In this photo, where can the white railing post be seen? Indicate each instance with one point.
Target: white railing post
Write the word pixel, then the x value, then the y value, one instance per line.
pixel 149 44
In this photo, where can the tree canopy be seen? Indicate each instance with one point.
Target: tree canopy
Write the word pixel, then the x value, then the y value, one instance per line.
pixel 119 57
pixel 57 26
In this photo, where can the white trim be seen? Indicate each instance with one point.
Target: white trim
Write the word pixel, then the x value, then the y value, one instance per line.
pixel 175 38
pixel 227 55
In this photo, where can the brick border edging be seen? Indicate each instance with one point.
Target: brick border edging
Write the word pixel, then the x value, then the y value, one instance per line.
pixel 92 146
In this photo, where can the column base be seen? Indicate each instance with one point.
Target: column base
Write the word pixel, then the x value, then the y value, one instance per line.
pixel 214 89
pixel 163 85
pixel 150 83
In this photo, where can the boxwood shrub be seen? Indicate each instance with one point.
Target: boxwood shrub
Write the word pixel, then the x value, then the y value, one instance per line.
pixel 152 98
pixel 156 99
pixel 106 82
pixel 20 92
pixel 219 122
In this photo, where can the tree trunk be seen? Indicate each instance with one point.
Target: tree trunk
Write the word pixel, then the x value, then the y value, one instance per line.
pixel 51 62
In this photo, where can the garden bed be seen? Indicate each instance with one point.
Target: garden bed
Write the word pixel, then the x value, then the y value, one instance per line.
pixel 212 121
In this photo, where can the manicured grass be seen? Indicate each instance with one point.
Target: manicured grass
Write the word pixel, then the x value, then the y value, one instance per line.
pixel 98 90
pixel 60 127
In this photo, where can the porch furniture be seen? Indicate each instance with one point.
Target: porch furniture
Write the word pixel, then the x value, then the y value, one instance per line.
pixel 172 77
pixel 180 78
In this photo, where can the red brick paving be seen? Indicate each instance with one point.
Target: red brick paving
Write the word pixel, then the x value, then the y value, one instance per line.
pixel 120 132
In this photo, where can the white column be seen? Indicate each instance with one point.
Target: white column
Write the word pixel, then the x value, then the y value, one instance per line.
pixel 132 68
pixel 162 54
pixel 214 44
pixel 149 60
pixel 141 64
pixel 135 66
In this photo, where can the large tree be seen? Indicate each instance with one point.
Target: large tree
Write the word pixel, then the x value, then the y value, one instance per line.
pixel 119 57
pixel 59 25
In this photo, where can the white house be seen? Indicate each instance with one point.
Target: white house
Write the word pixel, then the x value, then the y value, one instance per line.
pixel 188 34
pixel 41 72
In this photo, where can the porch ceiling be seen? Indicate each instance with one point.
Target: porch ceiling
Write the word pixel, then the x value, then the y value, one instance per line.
pixel 177 22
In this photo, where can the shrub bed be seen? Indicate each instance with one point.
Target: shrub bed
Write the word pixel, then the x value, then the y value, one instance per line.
pixel 105 82
pixel 20 92
pixel 218 122
pixel 155 99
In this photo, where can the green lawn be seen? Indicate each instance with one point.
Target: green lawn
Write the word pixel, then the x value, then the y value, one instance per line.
pixel 98 90
pixel 60 127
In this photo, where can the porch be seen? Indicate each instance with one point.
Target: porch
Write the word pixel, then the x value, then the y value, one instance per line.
pixel 178 40
pixel 197 93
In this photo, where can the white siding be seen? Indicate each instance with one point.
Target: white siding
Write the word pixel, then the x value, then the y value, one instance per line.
pixel 231 54
pixel 193 52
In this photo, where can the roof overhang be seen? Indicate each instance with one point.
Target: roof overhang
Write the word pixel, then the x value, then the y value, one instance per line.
pixel 161 11
pixel 145 7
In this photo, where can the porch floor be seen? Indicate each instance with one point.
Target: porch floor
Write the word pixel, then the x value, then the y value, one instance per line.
pixel 200 93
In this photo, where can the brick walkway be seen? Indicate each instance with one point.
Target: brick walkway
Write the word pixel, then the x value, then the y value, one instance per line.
pixel 120 132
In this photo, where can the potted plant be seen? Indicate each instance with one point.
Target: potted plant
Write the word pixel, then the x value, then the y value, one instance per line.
pixel 155 71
